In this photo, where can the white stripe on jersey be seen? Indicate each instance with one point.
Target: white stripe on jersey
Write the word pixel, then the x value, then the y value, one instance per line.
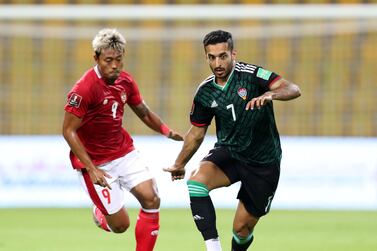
pixel 208 79
pixel 238 67
pixel 245 67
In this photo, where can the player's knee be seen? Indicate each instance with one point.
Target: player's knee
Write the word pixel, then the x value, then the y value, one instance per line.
pixel 244 232
pixel 242 229
pixel 198 176
pixel 152 202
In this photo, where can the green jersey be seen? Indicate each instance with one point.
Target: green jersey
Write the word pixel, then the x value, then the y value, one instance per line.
pixel 250 136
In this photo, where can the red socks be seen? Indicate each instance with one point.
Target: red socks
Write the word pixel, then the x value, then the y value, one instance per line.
pixel 146 230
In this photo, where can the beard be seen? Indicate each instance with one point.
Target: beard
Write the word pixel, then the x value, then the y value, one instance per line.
pixel 221 73
pixel 111 78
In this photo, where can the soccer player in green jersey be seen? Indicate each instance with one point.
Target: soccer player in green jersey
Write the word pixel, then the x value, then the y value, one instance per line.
pixel 239 96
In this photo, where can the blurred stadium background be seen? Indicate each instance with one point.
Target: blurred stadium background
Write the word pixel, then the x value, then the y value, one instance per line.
pixel 332 59
pixel 327 47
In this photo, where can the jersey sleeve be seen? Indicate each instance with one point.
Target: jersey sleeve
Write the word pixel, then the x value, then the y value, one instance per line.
pixel 265 78
pixel 134 96
pixel 78 100
pixel 200 115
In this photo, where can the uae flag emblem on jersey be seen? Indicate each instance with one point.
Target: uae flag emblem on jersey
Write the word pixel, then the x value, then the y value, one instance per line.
pixel 242 92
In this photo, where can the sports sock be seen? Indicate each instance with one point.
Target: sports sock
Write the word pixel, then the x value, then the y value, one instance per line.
pixel 202 210
pixel 146 230
pixel 100 219
pixel 241 243
pixel 213 245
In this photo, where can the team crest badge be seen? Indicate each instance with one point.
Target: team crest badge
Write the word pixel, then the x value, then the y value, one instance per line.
pixel 75 100
pixel 123 96
pixel 242 92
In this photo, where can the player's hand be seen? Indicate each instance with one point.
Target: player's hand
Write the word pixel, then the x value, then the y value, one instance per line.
pixel 177 173
pixel 175 136
pixel 99 176
pixel 260 101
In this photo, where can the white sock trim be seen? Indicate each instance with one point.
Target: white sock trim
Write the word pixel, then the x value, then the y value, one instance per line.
pixel 213 245
pixel 150 210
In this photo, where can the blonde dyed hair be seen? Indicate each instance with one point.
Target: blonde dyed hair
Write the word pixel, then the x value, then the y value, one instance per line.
pixel 108 38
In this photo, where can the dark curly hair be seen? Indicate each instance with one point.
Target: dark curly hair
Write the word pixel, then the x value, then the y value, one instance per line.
pixel 218 36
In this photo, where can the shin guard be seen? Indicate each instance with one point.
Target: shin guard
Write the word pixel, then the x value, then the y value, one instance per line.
pixel 146 230
pixel 202 210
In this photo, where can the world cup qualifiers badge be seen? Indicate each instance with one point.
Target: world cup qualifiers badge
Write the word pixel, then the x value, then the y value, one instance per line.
pixel 242 92
pixel 123 96
pixel 75 100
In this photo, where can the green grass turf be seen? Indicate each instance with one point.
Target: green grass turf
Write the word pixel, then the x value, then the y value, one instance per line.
pixel 73 230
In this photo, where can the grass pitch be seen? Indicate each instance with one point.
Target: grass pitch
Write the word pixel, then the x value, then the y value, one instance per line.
pixel 73 230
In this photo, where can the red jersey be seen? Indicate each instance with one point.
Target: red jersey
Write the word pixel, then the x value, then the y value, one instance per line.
pixel 101 108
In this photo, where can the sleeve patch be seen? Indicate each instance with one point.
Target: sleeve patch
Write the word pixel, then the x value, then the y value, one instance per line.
pixel 264 74
pixel 75 100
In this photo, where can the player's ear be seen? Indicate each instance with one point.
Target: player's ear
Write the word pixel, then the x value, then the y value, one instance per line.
pixel 205 52
pixel 234 53
pixel 95 57
pixel 207 58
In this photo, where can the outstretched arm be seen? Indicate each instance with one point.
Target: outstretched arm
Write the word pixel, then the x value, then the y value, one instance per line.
pixel 193 140
pixel 70 125
pixel 279 90
pixel 153 121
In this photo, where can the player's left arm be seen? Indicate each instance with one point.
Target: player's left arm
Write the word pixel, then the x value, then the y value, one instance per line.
pixel 280 89
pixel 153 121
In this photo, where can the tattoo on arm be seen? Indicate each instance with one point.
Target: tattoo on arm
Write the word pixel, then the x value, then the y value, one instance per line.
pixel 140 110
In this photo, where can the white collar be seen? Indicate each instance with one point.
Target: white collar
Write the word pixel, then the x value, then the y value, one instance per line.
pixel 97 71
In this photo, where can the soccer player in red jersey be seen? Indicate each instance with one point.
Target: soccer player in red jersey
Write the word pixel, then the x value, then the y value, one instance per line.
pixel 102 150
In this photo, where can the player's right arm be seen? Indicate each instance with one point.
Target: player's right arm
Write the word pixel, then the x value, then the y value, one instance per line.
pixel 192 141
pixel 70 125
